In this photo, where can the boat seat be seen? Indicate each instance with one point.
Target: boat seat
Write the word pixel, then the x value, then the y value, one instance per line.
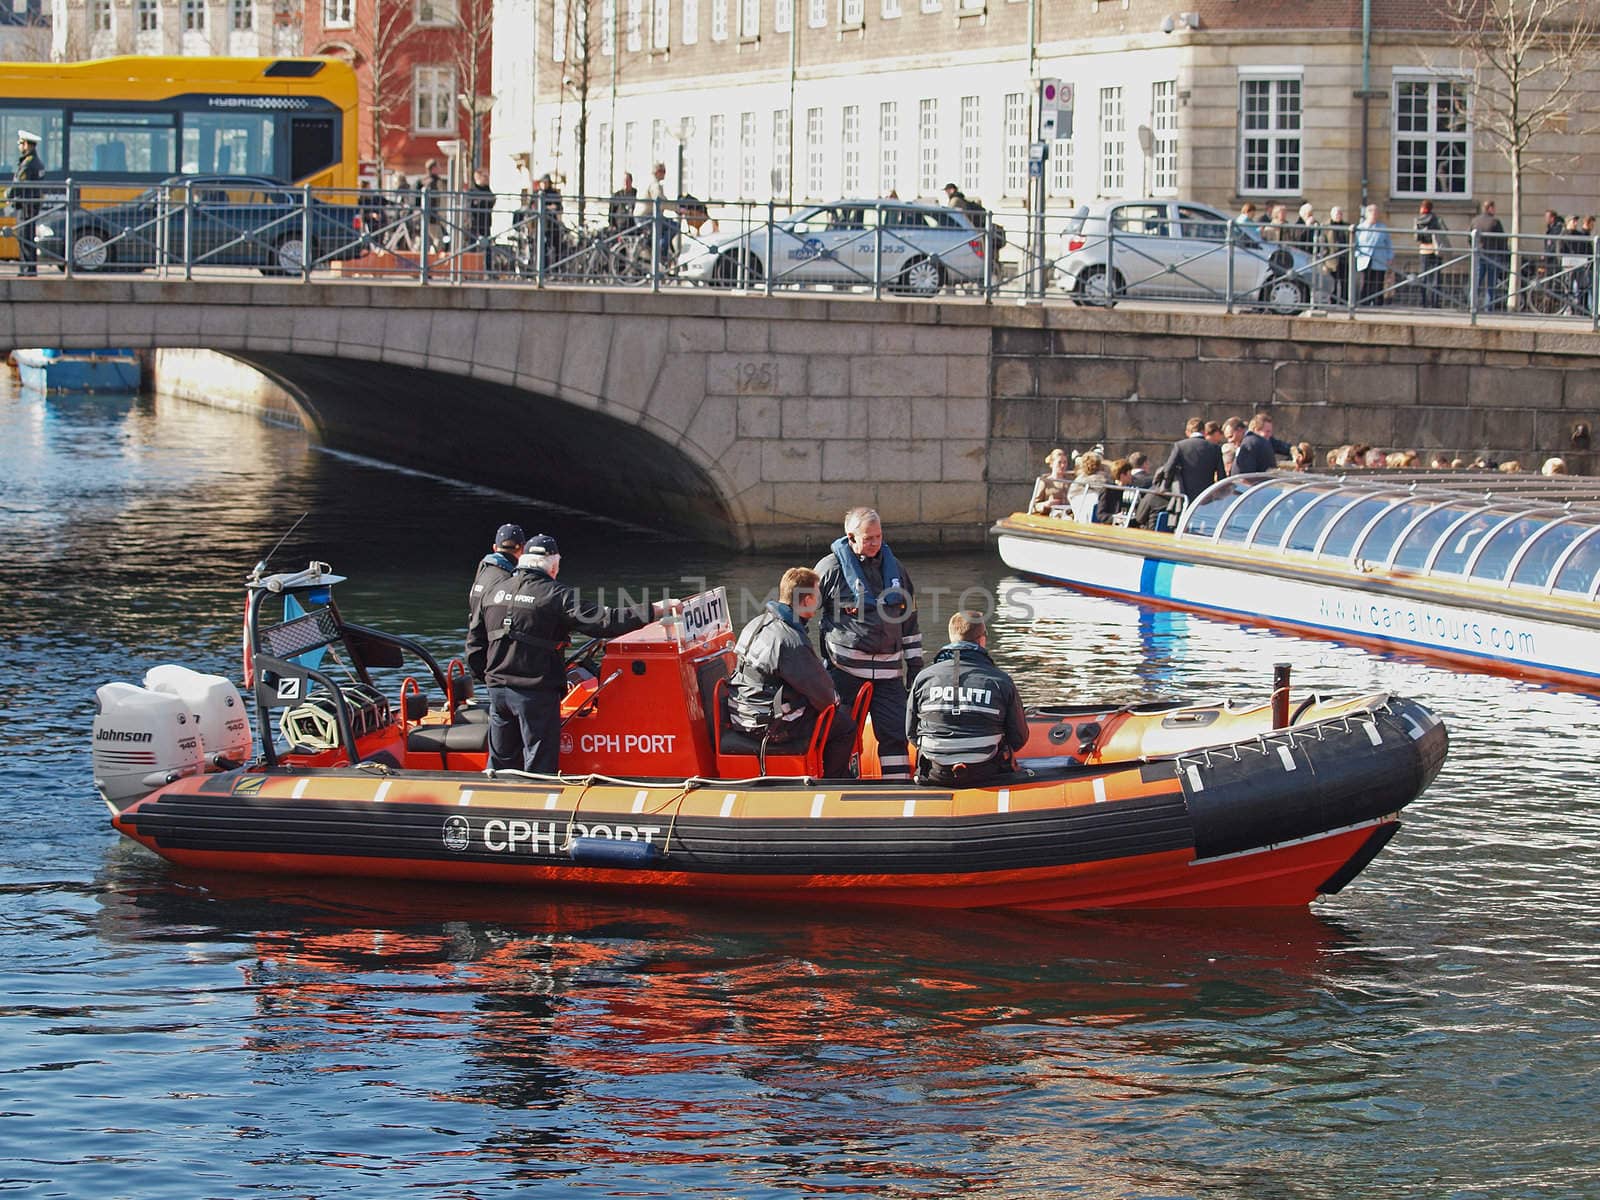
pixel 740 755
pixel 469 737
pixel 471 714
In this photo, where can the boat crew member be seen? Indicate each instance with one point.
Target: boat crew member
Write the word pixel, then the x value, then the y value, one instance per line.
pixel 496 567
pixel 779 686
pixel 869 631
pixel 1260 451
pixel 528 620
pixel 25 200
pixel 964 714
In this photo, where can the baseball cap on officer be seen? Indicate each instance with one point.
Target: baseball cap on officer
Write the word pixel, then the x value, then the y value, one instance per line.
pixel 24 135
pixel 509 535
pixel 542 543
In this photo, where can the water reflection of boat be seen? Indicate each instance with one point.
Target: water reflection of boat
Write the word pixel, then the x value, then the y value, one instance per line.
pixel 1149 806
pixel 78 370
pixel 1499 573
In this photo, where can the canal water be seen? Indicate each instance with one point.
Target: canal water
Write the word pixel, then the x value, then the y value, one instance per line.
pixel 1431 1032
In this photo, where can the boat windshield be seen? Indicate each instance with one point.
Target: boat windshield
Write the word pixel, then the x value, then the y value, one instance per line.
pixel 1341 537
pixel 1242 516
pixel 1578 573
pixel 1380 539
pixel 1545 551
pixel 1202 517
pixel 1494 560
pixel 1282 514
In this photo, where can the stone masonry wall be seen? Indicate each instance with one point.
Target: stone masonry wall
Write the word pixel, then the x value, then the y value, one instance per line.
pixel 1128 380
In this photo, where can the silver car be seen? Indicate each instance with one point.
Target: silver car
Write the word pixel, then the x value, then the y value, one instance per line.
pixel 912 248
pixel 1175 250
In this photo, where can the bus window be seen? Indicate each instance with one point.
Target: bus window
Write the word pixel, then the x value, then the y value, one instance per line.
pixel 122 144
pixel 312 146
pixel 46 122
pixel 237 143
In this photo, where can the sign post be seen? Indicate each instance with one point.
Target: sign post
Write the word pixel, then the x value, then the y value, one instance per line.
pixel 1055 124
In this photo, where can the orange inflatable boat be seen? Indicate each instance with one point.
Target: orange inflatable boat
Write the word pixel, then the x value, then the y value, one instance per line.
pixel 1161 805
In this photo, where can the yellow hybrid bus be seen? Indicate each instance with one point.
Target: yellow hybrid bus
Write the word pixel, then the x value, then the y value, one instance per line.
pixel 137 120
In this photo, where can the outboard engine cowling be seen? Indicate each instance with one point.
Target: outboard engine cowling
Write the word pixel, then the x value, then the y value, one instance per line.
pixel 225 739
pixel 143 740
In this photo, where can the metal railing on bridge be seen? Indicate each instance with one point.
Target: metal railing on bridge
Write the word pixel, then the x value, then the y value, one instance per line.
pixel 1147 251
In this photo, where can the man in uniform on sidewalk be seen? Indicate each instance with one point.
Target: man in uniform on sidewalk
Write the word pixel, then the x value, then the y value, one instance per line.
pixel 869 631
pixel 25 200
pixel 964 713
pixel 780 687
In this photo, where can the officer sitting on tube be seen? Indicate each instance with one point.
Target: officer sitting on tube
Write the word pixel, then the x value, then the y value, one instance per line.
pixel 780 687
pixel 529 619
pixel 964 714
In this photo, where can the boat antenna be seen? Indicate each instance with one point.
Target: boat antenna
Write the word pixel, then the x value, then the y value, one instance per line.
pixel 261 567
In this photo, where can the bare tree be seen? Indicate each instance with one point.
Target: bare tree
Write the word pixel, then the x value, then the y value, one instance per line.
pixel 1528 59
pixel 383 26
pixel 590 26
pixel 474 34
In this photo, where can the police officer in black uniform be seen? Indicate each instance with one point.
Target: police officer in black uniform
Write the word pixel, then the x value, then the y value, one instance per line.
pixel 964 713
pixel 527 622
pixel 870 632
pixel 25 200
pixel 495 568
pixel 779 686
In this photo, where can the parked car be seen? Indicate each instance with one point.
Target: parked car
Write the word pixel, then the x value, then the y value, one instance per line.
pixel 1173 249
pixel 912 248
pixel 216 220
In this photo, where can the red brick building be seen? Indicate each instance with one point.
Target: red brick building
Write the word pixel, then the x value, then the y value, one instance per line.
pixel 424 69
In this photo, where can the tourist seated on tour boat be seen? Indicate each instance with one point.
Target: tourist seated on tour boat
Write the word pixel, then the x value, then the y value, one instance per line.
pixel 1050 489
pixel 1113 497
pixel 1083 494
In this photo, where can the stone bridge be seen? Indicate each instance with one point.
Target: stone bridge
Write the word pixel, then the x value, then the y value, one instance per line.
pixel 756 421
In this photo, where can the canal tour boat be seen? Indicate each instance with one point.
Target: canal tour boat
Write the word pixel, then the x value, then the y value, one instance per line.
pixel 1492 572
pixel 1161 805
pixel 78 370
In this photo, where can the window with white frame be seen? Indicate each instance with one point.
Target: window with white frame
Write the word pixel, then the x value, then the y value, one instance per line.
pixel 852 13
pixel 719 20
pixel 780 152
pixel 817 13
pixel 658 142
pixel 1016 144
pixel 630 144
pixel 850 150
pixel 783 16
pixel 580 31
pixel 602 145
pixel 971 144
pixel 888 147
pixel 194 16
pixel 1061 168
pixel 149 17
pixel 336 14
pixel 635 26
pixel 686 180
pixel 747 156
pixel 814 153
pixel 100 16
pixel 691 22
pixel 436 12
pixel 931 6
pixel 1269 137
pixel 1164 135
pixel 608 26
pixel 1113 143
pixel 433 106
pixel 928 146
pixel 890 10
pixel 716 156
pixel 241 15
pixel 1432 137
pixel 749 18
pixel 558 30
pixel 555 138
pixel 661 24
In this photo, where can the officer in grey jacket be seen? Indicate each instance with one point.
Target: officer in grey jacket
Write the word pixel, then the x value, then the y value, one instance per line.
pixel 964 715
pixel 870 631
pixel 780 687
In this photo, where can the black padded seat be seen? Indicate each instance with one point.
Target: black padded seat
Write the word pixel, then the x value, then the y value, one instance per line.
pixel 471 714
pixel 469 738
pixel 733 740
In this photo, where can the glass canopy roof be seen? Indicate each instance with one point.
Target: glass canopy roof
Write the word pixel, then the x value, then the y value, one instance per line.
pixel 1543 539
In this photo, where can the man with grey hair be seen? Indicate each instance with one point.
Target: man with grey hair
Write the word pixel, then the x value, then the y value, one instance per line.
pixel 869 631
